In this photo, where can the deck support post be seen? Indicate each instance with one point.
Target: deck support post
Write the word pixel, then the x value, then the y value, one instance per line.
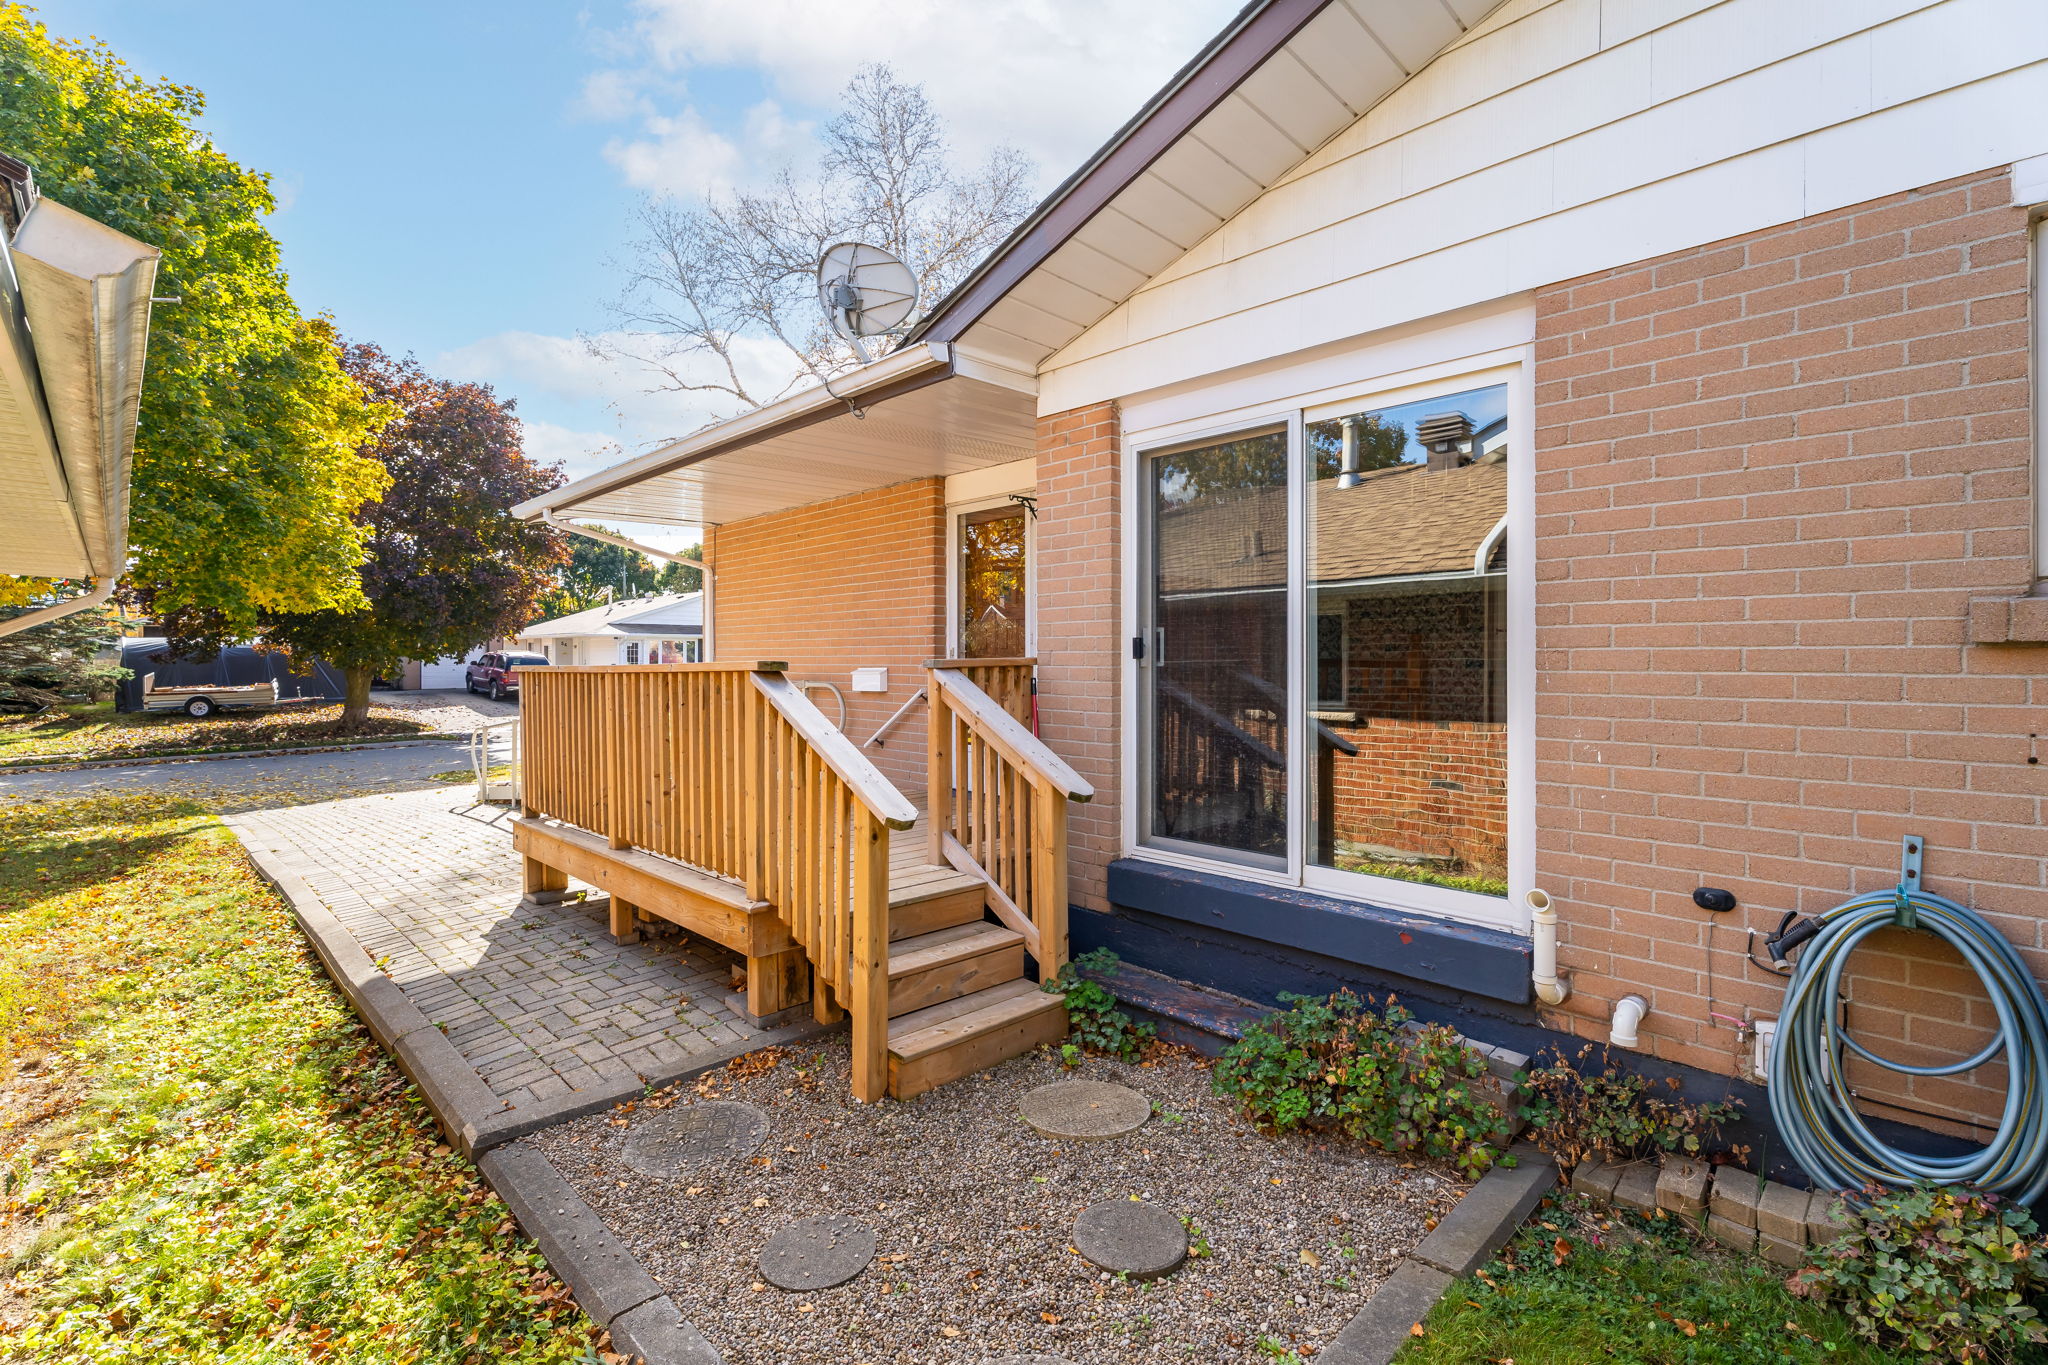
pixel 777 982
pixel 622 917
pixel 543 885
pixel 869 993
pixel 1049 878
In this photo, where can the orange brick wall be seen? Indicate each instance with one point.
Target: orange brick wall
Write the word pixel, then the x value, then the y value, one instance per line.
pixel 1771 474
pixel 1080 636
pixel 854 583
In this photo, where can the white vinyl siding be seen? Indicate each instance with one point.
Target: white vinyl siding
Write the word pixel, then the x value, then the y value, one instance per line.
pixel 1563 138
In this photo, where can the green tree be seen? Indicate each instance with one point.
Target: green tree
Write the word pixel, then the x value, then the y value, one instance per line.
pixel 447 567
pixel 44 664
pixel 597 572
pixel 676 576
pixel 248 463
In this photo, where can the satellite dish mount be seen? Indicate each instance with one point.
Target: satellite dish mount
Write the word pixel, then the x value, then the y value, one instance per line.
pixel 865 292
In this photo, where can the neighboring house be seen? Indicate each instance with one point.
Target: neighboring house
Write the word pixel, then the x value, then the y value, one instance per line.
pixel 1462 449
pixel 665 628
pixel 74 325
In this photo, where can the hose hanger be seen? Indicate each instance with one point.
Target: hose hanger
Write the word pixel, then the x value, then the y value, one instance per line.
pixel 1810 1097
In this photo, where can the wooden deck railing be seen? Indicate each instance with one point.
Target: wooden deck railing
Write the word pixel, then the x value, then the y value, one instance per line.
pixel 1007 681
pixel 999 801
pixel 729 767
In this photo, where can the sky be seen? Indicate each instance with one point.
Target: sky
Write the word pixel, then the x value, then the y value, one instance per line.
pixel 455 178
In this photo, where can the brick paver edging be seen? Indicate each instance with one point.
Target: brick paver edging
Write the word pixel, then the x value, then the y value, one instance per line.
pixel 1469 1234
pixel 15 765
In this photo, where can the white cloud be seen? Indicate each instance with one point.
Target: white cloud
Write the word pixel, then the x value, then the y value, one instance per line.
pixel 578 452
pixel 1053 77
pixel 683 154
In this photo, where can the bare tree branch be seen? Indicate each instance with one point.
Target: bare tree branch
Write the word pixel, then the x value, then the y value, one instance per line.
pixel 699 283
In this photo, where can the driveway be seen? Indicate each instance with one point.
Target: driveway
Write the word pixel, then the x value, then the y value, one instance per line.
pixel 448 708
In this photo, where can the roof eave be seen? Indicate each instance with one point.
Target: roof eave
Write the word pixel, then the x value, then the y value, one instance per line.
pixel 1260 29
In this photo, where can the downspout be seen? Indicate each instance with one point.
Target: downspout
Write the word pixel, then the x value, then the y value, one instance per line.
pixel 710 578
pixel 1551 988
pixel 103 588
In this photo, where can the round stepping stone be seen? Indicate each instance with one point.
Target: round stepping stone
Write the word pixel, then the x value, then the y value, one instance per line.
pixel 1085 1111
pixel 1125 1237
pixel 682 1140
pixel 817 1253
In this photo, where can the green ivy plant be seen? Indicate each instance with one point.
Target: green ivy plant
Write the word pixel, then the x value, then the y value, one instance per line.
pixel 1094 1023
pixel 1944 1272
pixel 1330 1061
pixel 1580 1110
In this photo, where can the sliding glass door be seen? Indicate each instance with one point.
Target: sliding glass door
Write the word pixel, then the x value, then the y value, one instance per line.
pixel 1395 695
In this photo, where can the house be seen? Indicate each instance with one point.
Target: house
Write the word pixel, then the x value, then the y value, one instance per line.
pixel 1446 456
pixel 74 326
pixel 663 628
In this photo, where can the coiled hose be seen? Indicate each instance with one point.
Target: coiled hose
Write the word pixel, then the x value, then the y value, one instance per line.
pixel 1810 1100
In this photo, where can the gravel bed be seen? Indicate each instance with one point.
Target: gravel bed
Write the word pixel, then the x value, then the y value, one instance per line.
pixel 974 1212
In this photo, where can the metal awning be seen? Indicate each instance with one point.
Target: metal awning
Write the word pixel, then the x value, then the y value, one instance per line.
pixel 74 323
pixel 926 410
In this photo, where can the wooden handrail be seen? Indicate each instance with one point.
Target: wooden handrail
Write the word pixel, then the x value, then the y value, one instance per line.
pixel 999 800
pixel 863 778
pixel 1001 731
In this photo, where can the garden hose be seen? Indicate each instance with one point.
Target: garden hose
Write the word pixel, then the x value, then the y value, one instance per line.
pixel 1810 1100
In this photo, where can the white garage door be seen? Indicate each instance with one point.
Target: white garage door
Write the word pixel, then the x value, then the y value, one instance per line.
pixel 443 673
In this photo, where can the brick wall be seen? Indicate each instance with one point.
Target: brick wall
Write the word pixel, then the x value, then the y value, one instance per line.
pixel 1080 639
pixel 854 583
pixel 1771 473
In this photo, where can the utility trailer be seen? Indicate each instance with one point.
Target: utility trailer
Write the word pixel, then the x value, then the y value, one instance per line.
pixel 201 702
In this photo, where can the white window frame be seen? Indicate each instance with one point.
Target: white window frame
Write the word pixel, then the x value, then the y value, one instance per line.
pixel 629 651
pixel 956 510
pixel 1513 366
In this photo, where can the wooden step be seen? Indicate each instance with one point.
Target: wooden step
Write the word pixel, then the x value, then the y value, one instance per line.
pixel 923 899
pixel 930 969
pixel 942 1042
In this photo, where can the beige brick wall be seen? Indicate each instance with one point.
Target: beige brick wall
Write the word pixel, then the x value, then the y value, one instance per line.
pixel 1080 636
pixel 1771 474
pixel 853 583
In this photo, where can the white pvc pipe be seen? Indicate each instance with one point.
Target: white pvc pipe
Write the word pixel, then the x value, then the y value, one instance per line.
pixel 1628 1014
pixel 1551 988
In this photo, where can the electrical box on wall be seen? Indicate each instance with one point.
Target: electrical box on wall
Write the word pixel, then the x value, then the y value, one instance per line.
pixel 871 680
pixel 1764 1039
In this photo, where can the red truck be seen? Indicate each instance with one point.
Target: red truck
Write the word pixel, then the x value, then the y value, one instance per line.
pixel 498 674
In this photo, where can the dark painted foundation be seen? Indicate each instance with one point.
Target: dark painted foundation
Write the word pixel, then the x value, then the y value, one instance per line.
pixel 1192 927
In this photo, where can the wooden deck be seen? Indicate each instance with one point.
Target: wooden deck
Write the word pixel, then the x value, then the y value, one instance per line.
pixel 718 798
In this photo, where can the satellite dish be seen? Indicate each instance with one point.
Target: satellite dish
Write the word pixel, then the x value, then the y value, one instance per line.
pixel 865 291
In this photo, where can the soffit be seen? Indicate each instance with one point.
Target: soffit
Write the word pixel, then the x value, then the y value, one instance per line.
pixel 1148 199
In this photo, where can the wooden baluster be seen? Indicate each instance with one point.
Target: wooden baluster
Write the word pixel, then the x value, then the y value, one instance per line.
pixel 938 770
pixel 868 994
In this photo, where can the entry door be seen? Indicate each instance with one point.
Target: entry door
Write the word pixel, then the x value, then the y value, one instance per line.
pixel 995 583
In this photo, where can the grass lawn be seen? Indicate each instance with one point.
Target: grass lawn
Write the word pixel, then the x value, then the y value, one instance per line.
pixel 1582 1283
pixel 96 730
pixel 203 1156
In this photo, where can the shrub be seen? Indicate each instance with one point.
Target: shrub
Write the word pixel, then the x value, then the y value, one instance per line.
pixel 1937 1270
pixel 1094 1023
pixel 1575 1112
pixel 1331 1061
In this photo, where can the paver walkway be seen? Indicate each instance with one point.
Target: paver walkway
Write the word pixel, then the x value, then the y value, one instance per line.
pixel 537 999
